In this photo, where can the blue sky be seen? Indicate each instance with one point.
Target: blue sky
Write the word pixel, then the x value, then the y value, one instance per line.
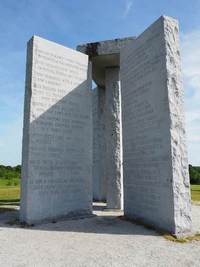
pixel 74 22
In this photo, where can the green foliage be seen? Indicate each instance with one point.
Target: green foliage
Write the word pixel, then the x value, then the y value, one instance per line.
pixel 9 184
pixel 194 174
pixel 10 173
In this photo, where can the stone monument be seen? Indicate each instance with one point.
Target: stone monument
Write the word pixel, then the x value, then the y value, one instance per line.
pixel 122 142
pixel 57 137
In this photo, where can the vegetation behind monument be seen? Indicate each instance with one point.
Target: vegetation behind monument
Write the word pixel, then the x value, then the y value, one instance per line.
pixel 10 183
pixel 12 174
pixel 194 174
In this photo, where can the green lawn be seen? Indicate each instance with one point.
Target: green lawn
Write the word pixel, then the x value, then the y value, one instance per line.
pixel 9 182
pixel 9 194
pixel 10 191
pixel 195 190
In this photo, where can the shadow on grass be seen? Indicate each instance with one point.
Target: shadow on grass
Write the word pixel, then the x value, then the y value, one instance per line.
pixel 9 205
pixel 9 201
pixel 6 205
pixel 6 209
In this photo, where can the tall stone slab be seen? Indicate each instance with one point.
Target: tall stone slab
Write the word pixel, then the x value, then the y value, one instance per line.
pixel 113 134
pixel 107 149
pixel 99 145
pixel 156 181
pixel 57 134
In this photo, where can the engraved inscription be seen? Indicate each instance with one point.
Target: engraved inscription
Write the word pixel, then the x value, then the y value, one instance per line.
pixel 146 140
pixel 60 138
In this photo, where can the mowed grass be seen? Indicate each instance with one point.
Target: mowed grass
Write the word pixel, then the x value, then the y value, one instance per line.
pixel 9 194
pixel 9 191
pixel 195 190
pixel 9 182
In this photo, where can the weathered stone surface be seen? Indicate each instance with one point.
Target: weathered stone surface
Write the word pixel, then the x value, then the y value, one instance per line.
pixel 156 182
pixel 113 133
pixel 104 54
pixel 57 137
pixel 105 47
pixel 107 143
pixel 59 118
pixel 99 145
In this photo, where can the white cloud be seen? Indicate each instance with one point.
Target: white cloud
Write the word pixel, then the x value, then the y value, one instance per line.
pixel 190 43
pixel 127 9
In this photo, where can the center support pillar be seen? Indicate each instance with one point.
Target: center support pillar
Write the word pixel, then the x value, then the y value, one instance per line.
pixel 113 129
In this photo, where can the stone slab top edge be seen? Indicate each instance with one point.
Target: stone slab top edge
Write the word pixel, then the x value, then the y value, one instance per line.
pixel 106 47
pixel 52 43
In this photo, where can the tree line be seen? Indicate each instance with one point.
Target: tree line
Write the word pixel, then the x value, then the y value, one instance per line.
pixel 8 172
pixel 194 174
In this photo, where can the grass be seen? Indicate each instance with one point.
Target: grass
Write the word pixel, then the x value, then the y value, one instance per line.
pixel 167 236
pixel 195 190
pixel 195 237
pixel 9 191
pixel 10 195
pixel 9 182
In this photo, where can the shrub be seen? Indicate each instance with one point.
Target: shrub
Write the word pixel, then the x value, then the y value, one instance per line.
pixel 194 174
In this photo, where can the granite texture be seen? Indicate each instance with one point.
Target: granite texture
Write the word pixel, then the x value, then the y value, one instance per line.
pixel 61 155
pixel 156 181
pixel 57 136
pixel 105 47
pixel 179 160
pixel 113 129
pixel 99 145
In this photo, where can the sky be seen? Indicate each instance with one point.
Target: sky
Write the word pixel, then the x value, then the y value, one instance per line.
pixel 74 22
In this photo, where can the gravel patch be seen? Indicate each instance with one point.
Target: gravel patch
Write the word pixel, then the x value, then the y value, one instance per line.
pixel 103 240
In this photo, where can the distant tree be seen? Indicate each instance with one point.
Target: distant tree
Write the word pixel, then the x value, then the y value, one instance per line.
pixel 8 172
pixel 17 168
pixel 194 174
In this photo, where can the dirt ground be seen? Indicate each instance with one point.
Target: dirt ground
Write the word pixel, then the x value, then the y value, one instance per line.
pixel 102 240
